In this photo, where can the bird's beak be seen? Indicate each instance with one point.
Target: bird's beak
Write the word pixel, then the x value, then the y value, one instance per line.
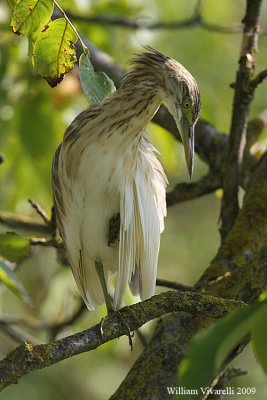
pixel 187 134
pixel 189 149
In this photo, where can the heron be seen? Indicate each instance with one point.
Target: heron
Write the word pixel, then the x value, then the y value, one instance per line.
pixel 109 186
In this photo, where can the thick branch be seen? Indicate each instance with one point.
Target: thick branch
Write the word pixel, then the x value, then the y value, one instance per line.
pixel 27 358
pixel 242 99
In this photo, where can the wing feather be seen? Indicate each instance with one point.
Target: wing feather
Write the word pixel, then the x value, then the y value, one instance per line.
pixel 142 210
pixel 69 213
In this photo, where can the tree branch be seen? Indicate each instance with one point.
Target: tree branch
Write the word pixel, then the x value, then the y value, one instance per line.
pixel 197 20
pixel 258 79
pixel 30 226
pixel 173 285
pixel 189 191
pixel 27 358
pixel 15 335
pixel 52 328
pixel 243 96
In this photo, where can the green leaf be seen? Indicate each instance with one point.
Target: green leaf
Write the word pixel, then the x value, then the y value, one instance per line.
pixel 210 348
pixel 96 85
pixel 9 279
pixel 31 15
pixel 54 54
pixel 11 3
pixel 13 247
pixel 259 335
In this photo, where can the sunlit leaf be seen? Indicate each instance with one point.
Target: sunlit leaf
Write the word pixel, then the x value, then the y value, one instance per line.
pixel 31 15
pixel 54 54
pixel 96 85
pixel 10 280
pixel 13 247
pixel 211 347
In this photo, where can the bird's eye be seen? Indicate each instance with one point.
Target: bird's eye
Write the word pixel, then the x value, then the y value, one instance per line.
pixel 186 104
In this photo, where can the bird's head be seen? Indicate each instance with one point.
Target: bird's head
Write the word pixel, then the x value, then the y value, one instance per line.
pixel 182 99
pixel 180 94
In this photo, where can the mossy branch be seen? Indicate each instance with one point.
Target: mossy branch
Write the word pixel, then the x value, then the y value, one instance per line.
pixel 27 358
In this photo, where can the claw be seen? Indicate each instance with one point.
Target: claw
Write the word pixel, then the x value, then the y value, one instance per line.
pixel 123 322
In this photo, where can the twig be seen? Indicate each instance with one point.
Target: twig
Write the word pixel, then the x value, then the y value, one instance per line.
pixel 25 359
pixel 39 211
pixel 54 242
pixel 56 328
pixel 174 285
pixel 223 377
pixel 24 224
pixel 223 380
pixel 258 79
pixel 37 325
pixel 15 335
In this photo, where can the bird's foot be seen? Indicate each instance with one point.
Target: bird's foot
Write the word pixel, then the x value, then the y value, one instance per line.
pixel 123 323
pixel 136 320
pixel 109 305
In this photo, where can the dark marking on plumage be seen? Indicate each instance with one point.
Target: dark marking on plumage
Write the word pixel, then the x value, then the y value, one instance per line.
pixel 71 143
pixel 58 199
pixel 139 112
pixel 114 229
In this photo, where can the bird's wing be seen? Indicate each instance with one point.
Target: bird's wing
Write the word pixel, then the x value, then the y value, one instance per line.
pixel 142 212
pixel 69 212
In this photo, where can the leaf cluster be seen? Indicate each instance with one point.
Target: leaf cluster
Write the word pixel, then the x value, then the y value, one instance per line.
pixel 51 42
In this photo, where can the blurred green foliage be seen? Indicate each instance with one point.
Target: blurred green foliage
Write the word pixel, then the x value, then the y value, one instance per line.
pixel 14 247
pixel 33 118
pixel 220 339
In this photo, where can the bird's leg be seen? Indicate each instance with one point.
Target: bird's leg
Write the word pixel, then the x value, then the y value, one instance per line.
pixel 109 305
pixel 101 275
pixel 114 229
